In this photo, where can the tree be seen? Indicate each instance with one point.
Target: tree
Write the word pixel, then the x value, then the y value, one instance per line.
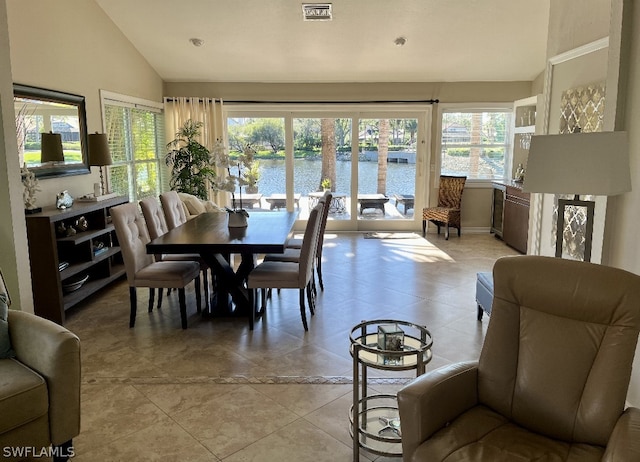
pixel 267 132
pixel 383 151
pixel 328 135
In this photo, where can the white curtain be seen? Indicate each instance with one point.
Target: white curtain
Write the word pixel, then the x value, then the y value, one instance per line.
pixel 178 110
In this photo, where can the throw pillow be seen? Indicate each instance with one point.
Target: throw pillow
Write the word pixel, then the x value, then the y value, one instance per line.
pixel 5 342
pixel 212 207
pixel 194 205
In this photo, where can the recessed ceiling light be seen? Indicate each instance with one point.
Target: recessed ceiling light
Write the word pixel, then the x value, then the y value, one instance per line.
pixel 196 42
pixel 400 41
pixel 316 11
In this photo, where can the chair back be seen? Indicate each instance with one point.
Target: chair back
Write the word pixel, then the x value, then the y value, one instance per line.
pixel 154 217
pixel 133 238
pixel 309 243
pixel 559 347
pixel 173 209
pixel 450 191
pixel 326 199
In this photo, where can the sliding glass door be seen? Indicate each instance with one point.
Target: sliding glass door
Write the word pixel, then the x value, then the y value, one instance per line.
pixel 374 162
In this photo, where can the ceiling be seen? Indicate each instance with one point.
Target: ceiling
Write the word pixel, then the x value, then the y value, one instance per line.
pixel 267 40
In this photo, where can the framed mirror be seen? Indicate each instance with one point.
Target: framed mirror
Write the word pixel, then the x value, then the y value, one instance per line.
pixel 52 131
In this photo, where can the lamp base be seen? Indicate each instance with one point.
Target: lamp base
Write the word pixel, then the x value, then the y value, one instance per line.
pixel 588 234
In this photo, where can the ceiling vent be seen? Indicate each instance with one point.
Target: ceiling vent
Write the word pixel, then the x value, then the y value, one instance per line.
pixel 316 11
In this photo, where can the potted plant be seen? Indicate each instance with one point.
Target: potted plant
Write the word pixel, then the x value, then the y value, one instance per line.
pixel 326 184
pixel 251 177
pixel 237 214
pixel 191 168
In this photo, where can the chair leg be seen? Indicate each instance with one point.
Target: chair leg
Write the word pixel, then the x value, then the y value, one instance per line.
pixel 63 451
pixel 133 298
pixel 252 306
pixel 160 291
pixel 319 271
pixel 480 312
pixel 183 307
pixel 446 232
pixel 458 231
pixel 438 225
pixel 198 301
pixel 424 228
pixel 152 295
pixel 205 281
pixel 311 299
pixel 303 314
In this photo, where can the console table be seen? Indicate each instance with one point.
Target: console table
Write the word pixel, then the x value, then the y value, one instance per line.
pixel 68 266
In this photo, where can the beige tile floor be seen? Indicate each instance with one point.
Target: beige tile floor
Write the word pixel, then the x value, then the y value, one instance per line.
pixel 219 392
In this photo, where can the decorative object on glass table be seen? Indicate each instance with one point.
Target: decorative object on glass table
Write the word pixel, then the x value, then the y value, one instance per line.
pixel 390 338
pixel 64 200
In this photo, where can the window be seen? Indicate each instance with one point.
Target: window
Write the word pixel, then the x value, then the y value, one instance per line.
pixel 135 130
pixel 475 142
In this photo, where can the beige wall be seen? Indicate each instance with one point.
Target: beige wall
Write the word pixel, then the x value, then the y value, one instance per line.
pixel 77 49
pixel 476 204
pixel 66 45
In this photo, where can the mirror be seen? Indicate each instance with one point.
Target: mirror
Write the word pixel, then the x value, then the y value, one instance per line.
pixel 61 118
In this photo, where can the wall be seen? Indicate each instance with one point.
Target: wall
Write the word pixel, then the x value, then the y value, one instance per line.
pixel 575 23
pixel 476 205
pixel 77 49
pixel 67 45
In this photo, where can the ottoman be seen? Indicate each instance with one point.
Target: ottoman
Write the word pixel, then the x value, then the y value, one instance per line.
pixel 484 293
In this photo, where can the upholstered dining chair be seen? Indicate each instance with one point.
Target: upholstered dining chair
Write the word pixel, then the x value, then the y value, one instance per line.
pixel 447 212
pixel 157 226
pixel 287 274
pixel 140 267
pixel 294 245
pixel 552 378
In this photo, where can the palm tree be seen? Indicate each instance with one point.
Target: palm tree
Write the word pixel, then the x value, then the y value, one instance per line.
pixel 328 135
pixel 383 151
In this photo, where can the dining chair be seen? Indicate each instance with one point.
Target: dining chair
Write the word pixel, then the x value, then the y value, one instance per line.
pixel 292 250
pixel 447 212
pixel 287 274
pixel 173 209
pixel 157 226
pixel 140 267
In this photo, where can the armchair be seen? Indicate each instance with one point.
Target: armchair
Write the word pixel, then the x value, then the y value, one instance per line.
pixel 552 377
pixel 39 389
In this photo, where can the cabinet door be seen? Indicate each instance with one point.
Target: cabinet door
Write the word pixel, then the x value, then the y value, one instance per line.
pixel 516 223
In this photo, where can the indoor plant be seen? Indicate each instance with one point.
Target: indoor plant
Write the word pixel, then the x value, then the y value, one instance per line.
pixel 192 171
pixel 232 181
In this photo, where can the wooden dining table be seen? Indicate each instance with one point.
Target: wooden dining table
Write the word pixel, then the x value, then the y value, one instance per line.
pixel 209 235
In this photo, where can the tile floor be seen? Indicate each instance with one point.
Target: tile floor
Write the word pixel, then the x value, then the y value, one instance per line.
pixel 219 392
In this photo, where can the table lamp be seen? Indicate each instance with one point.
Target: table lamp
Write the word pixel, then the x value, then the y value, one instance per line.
pixel 99 156
pixel 51 147
pixel 596 164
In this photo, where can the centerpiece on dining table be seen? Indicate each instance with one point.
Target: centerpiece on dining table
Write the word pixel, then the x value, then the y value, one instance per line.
pixel 232 181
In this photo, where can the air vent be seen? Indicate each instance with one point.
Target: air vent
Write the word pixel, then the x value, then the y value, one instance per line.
pixel 316 11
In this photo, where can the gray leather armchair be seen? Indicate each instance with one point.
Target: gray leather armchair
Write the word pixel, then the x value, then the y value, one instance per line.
pixel 552 378
pixel 39 389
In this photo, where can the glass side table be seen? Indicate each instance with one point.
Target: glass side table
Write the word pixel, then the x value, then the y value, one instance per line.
pixel 388 345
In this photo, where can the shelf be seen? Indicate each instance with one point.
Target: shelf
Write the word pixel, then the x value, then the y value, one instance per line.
pixel 84 236
pixel 46 250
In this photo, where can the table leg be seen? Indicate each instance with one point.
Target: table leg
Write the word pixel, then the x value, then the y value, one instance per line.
pixel 230 285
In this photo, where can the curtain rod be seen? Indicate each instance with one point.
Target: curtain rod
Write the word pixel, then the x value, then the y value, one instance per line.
pixel 425 101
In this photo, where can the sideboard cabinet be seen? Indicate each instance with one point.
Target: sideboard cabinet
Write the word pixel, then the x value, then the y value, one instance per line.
pixel 73 253
pixel 510 214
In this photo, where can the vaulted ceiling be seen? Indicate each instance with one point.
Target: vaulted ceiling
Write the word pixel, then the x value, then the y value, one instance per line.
pixel 268 41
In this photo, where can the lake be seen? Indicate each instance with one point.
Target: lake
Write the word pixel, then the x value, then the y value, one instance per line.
pixel 400 177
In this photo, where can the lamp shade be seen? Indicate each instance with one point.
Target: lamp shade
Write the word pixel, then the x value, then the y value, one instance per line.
pixel 579 163
pixel 51 147
pixel 99 154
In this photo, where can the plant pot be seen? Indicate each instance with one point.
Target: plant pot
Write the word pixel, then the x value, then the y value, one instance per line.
pixel 238 219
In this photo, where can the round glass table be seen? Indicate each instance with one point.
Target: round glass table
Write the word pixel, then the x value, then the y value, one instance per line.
pixel 389 345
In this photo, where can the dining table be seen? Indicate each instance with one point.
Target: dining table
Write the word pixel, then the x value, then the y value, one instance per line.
pixel 210 236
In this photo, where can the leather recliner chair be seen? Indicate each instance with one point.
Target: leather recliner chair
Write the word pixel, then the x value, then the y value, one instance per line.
pixel 39 390
pixel 552 378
